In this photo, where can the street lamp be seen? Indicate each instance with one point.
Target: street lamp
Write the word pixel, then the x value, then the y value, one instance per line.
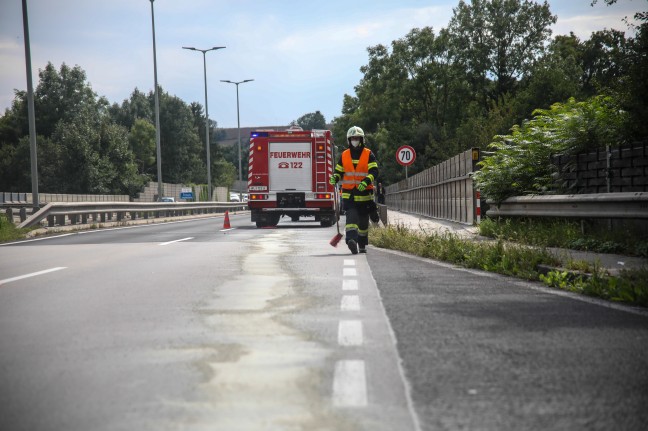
pixel 157 112
pixel 238 120
pixel 31 113
pixel 204 52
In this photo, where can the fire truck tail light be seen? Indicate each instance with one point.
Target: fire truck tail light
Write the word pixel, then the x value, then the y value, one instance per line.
pixel 323 196
pixel 258 197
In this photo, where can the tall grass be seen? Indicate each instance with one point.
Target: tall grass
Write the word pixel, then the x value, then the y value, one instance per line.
pixel 498 256
pixel 9 232
pixel 566 234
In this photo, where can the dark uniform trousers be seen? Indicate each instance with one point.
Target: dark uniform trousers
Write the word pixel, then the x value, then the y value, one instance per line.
pixel 357 222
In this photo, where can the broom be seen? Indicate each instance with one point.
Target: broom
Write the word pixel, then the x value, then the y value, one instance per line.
pixel 336 239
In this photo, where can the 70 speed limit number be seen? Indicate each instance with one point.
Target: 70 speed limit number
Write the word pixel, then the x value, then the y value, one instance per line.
pixel 405 155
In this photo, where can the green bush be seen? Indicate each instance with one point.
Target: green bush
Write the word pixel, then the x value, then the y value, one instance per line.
pixel 520 164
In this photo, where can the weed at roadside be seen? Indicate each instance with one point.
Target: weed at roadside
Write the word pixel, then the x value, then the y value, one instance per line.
pixel 9 232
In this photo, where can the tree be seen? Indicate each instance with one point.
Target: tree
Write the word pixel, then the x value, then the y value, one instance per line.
pixel 499 40
pixel 61 96
pixel 312 121
pixel 142 143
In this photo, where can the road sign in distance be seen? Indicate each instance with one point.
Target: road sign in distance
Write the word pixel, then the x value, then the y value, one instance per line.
pixel 405 155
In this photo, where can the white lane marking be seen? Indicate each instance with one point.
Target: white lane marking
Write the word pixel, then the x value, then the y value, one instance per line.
pixel 177 240
pixel 349 384
pixel 349 272
pixel 349 284
pixel 350 303
pixel 349 262
pixel 225 230
pixel 350 333
pixel 33 274
pixel 36 239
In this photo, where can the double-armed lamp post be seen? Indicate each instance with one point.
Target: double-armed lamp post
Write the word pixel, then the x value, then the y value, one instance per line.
pixel 238 121
pixel 204 52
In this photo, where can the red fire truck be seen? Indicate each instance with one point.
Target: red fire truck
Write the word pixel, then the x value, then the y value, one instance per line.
pixel 288 174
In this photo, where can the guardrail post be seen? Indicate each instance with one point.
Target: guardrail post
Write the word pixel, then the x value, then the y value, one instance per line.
pixel 50 221
pixel 60 220
pixel 23 214
pixel 9 214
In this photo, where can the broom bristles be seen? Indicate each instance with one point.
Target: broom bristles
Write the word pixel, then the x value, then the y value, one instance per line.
pixel 336 239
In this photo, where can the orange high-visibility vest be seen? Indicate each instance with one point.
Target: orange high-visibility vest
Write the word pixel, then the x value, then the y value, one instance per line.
pixel 353 175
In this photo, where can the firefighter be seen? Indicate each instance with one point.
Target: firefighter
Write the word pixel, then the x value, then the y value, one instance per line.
pixel 357 170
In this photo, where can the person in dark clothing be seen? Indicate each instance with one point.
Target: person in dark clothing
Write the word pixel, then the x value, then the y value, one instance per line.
pixel 380 193
pixel 357 170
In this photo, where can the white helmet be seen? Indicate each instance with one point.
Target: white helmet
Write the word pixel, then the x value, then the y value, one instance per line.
pixel 355 131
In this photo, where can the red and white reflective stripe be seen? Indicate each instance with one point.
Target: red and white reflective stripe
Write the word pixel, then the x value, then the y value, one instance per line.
pixel 329 157
pixel 250 163
pixel 478 205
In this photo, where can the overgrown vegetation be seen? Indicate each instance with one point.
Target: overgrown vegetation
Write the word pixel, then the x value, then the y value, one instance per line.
pixel 9 232
pixel 519 260
pixel 445 90
pixel 499 256
pixel 565 233
pixel 630 286
pixel 520 164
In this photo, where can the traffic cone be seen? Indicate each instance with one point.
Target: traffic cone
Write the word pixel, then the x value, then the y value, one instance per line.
pixel 226 223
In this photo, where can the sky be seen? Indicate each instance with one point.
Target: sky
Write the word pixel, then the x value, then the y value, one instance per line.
pixel 304 56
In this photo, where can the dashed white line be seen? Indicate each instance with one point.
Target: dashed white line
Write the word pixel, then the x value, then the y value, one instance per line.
pixel 350 303
pixel 33 274
pixel 349 284
pixel 177 240
pixel 349 384
pixel 350 333
pixel 349 262
pixel 349 272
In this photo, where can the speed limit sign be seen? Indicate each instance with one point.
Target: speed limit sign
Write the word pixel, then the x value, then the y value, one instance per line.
pixel 405 155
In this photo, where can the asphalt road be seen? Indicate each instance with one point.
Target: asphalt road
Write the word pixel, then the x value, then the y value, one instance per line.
pixel 186 326
pixel 486 352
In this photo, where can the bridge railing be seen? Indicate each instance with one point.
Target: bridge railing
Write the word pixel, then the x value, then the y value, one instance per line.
pixel 445 191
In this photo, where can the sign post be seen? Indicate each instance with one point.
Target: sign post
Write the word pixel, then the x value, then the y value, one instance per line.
pixel 405 156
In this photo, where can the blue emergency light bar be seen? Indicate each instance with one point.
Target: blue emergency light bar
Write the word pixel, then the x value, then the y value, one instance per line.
pixel 258 134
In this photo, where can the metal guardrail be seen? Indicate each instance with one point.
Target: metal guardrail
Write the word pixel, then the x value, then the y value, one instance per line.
pixel 62 213
pixel 628 205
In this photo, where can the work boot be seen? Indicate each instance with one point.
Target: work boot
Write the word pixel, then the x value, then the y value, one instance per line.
pixel 363 249
pixel 353 246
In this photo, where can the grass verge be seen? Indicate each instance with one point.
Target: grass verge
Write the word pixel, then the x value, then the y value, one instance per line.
pixel 569 234
pixel 518 260
pixel 9 232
